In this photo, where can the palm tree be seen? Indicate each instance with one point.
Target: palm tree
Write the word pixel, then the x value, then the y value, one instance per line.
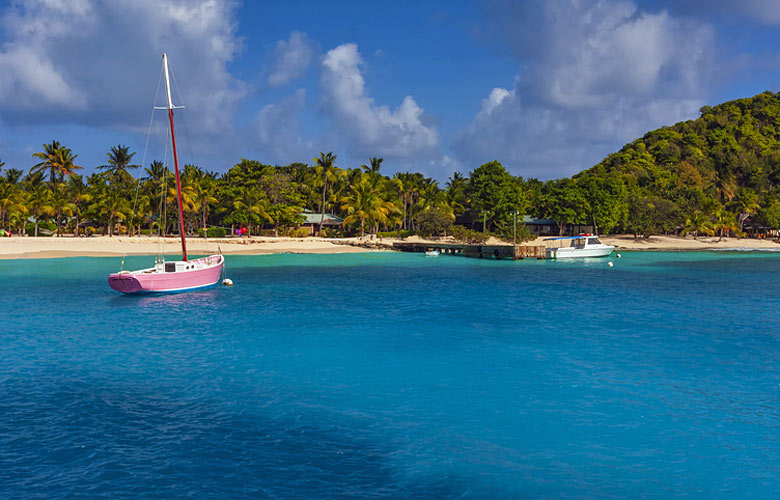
pixel 456 191
pixel 399 185
pixel 373 171
pixel 39 201
pixel 61 204
pixel 157 173
pixel 57 160
pixel 144 209
pixel 79 194
pixel 114 205
pixel 203 196
pixel 745 205
pixel 12 175
pixel 724 187
pixel 118 162
pixel 323 167
pixel 698 223
pixel 155 186
pixel 187 198
pixel 17 217
pixel 363 203
pixel 724 221
pixel 253 205
pixel 11 201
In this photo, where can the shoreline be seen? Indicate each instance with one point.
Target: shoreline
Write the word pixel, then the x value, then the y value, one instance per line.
pixel 104 246
pixel 678 243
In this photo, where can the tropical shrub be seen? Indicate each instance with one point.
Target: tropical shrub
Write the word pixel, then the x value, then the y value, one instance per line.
pixel 505 232
pixel 298 232
pixel 465 235
pixel 213 232
pixel 396 234
pixel 329 232
pixel 434 222
pixel 44 228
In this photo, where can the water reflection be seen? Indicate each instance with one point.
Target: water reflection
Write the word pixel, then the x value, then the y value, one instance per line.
pixel 197 298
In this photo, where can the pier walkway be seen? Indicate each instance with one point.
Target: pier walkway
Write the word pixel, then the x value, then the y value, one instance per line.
pixel 513 252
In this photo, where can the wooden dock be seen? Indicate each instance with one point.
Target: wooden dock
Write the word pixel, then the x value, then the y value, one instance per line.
pixel 513 252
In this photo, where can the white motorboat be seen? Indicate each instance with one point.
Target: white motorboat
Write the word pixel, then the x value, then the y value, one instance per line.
pixel 583 245
pixel 432 253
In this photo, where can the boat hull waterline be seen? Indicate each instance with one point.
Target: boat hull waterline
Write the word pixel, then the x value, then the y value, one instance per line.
pixel 572 253
pixel 190 275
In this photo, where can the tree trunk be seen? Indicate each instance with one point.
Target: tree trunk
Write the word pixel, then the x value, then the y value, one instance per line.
pixel 403 225
pixel 322 207
pixel 110 226
pixel 203 214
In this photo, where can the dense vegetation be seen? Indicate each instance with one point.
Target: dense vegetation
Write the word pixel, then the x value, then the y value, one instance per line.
pixel 703 176
pixel 699 176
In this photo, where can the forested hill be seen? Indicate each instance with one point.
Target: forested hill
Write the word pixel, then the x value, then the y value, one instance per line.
pixel 703 175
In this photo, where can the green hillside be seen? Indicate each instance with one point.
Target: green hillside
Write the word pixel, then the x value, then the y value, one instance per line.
pixel 707 175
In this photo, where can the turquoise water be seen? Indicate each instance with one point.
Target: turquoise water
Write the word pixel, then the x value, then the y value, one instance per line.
pixel 395 376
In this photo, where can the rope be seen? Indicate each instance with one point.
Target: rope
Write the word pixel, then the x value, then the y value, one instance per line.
pixel 183 117
pixel 164 214
pixel 224 267
pixel 143 161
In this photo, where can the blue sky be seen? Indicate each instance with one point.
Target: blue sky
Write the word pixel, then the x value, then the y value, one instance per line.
pixel 546 87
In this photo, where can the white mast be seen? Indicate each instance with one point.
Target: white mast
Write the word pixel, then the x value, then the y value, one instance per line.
pixel 167 81
pixel 175 159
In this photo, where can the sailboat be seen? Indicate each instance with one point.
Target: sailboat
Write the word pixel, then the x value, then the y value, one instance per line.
pixel 175 276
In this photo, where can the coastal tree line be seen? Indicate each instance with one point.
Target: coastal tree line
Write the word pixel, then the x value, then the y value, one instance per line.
pixel 705 176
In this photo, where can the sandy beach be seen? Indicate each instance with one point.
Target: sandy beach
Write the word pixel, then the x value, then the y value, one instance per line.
pixel 103 246
pixel 628 242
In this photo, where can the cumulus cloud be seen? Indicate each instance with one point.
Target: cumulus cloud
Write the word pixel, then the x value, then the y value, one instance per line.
pixel 96 63
pixel 596 74
pixel 371 129
pixel 293 58
pixel 766 12
pixel 277 131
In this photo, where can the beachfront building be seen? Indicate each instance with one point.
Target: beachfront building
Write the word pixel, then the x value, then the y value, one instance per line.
pixel 314 222
pixel 753 228
pixel 540 227
pixel 548 227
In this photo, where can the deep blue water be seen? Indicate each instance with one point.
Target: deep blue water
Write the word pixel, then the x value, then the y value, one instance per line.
pixel 395 376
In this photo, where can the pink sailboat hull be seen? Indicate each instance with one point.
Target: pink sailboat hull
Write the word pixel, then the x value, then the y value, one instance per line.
pixel 190 275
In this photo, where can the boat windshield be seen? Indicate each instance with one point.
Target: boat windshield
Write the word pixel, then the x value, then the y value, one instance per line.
pixel 594 241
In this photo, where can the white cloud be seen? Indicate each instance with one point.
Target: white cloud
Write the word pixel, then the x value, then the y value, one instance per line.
pixel 766 12
pixel 293 58
pixel 596 75
pixel 277 131
pixel 370 129
pixel 91 62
